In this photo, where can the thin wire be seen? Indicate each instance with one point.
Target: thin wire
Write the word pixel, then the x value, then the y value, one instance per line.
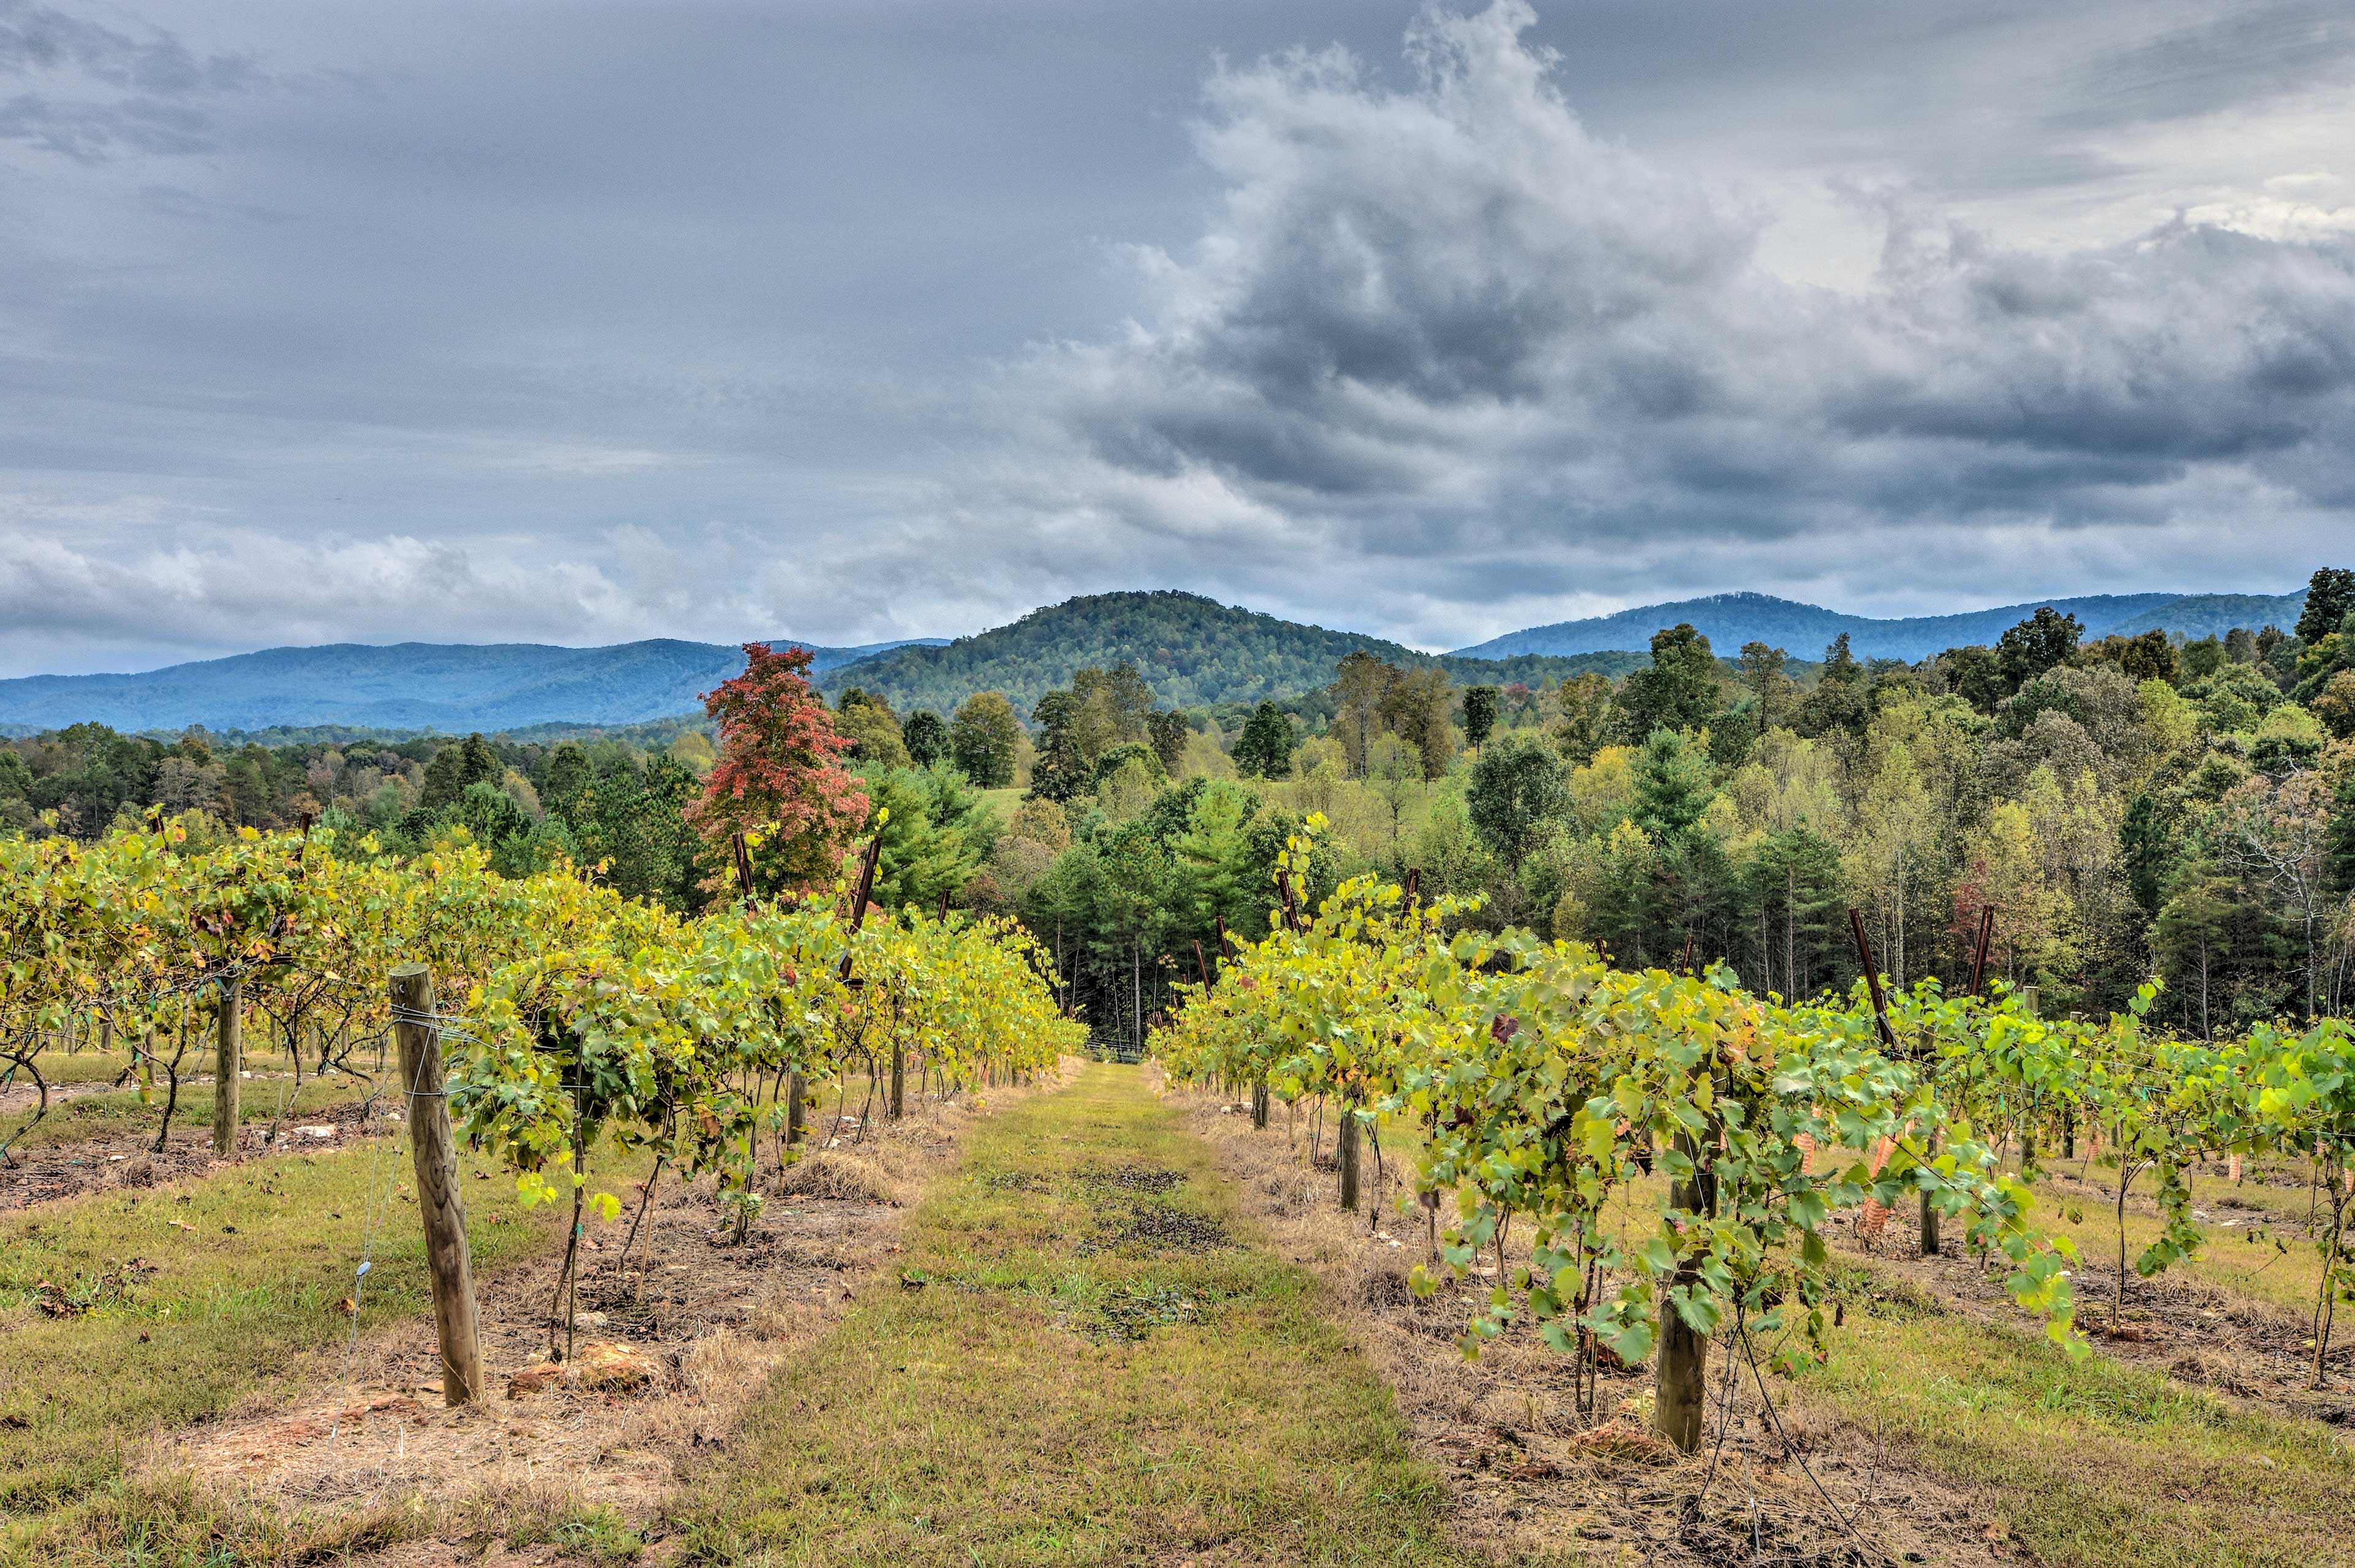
pixel 376 1212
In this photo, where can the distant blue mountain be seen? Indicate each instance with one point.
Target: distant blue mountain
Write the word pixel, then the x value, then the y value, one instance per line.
pixel 1729 620
pixel 447 687
pixel 1193 651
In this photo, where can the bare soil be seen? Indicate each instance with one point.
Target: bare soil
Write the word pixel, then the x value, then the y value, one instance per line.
pixel 49 1173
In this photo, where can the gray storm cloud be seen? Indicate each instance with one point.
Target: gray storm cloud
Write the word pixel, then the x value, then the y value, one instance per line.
pixel 702 325
pixel 1447 322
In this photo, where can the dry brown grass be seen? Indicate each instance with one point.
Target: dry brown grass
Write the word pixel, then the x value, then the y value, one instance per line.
pixel 566 1470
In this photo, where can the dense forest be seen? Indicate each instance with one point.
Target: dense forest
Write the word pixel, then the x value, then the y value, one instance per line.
pixel 2127 806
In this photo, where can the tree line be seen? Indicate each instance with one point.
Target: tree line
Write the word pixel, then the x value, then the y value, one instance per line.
pixel 2126 805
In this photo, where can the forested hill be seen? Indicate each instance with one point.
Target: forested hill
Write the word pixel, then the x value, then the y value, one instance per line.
pixel 443 687
pixel 1729 620
pixel 1193 652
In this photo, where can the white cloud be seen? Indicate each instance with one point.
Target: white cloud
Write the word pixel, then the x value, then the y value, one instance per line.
pixel 1444 335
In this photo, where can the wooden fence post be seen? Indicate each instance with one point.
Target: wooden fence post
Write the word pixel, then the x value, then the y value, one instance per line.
pixel 229 1061
pixel 439 1198
pixel 1929 1242
pixel 1680 1394
pixel 1345 1141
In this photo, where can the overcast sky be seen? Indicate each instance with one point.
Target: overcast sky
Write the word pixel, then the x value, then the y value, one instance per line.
pixel 578 323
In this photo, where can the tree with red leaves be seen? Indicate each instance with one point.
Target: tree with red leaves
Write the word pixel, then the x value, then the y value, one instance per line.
pixel 779 773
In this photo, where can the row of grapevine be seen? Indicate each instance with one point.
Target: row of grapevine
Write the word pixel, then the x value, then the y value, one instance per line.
pixel 1544 1086
pixel 575 1019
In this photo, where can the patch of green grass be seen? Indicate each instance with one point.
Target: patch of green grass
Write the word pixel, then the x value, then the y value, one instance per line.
pixel 224 1286
pixel 2097 1462
pixel 1039 1400
pixel 180 1522
pixel 2272 1262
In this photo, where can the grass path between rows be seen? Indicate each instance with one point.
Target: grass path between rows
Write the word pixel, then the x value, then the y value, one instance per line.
pixel 1085 1358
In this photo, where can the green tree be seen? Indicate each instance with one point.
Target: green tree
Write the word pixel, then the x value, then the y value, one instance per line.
pixel 568 773
pixel 1590 717
pixel 631 823
pixel 1361 683
pixel 874 734
pixel 2150 850
pixel 983 738
pixel 1479 715
pixel 2036 645
pixel 1263 751
pixel 2329 597
pixel 1672 785
pixel 1416 710
pixel 2340 851
pixel 2149 657
pixel 1447 849
pixel 1792 885
pixel 1762 673
pixel 926 737
pixel 1517 787
pixel 2192 936
pixel 1840 703
pixel 1221 871
pixel 1167 732
pixel 926 847
pixel 1127 754
pixel 455 769
pixel 1111 708
pixel 1677 691
pixel 1060 771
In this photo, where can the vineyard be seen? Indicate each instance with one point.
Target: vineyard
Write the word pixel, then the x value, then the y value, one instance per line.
pixel 1539 1085
pixel 1625 1196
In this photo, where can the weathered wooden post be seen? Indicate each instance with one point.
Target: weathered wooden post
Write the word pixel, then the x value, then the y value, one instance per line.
pixel 1889 1041
pixel 1346 1140
pixel 439 1198
pixel 229 1061
pixel 1681 1399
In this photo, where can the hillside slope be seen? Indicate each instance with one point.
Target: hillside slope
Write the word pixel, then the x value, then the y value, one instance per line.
pixel 406 686
pixel 1729 620
pixel 1193 652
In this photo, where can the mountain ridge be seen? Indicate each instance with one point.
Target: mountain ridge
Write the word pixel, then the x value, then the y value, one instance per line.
pixel 1192 650
pixel 1729 620
pixel 398 685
